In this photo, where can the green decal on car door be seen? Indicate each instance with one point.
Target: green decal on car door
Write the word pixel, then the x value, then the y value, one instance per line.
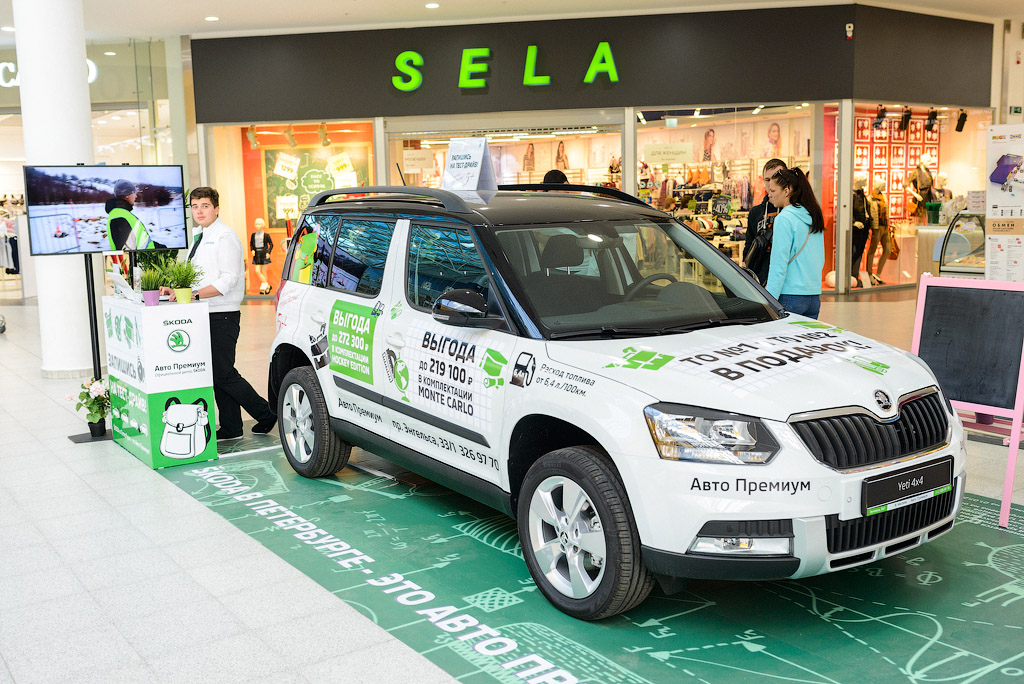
pixel 351 335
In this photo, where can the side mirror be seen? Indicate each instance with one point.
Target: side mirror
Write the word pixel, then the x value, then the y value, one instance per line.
pixel 464 308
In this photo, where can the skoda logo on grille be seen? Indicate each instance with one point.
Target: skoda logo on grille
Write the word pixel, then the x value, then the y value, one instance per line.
pixel 883 400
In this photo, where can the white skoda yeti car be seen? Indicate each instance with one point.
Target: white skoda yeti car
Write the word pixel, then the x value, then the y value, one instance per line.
pixel 591 367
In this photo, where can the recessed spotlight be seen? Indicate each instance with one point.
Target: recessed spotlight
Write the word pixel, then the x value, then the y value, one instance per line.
pixel 115 118
pixel 101 121
pixel 432 5
pixel 9 29
pixel 110 53
pixel 212 18
pixel 804 104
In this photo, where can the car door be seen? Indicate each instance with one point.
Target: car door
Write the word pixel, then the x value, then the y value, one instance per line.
pixel 447 384
pixel 349 288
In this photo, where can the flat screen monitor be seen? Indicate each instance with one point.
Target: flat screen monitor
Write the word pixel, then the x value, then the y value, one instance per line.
pixel 70 208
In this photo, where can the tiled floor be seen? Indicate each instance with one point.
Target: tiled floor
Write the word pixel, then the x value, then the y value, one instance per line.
pixel 110 573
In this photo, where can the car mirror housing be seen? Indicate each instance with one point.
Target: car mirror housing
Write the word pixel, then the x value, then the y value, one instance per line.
pixel 464 308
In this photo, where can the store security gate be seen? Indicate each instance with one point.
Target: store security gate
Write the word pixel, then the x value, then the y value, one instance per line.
pixel 446 576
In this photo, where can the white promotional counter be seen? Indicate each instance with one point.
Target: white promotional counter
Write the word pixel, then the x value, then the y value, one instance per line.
pixel 161 381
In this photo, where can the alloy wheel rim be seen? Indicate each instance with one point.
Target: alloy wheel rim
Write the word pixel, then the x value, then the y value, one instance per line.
pixel 297 421
pixel 566 537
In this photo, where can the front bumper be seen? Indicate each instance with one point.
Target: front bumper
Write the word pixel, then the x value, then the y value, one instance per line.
pixel 814 539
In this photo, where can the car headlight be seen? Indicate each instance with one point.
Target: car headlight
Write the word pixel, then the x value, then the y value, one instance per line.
pixel 688 433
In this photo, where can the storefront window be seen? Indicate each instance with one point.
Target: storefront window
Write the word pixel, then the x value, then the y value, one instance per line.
pixel 915 169
pixel 588 155
pixel 704 164
pixel 130 125
pixel 267 174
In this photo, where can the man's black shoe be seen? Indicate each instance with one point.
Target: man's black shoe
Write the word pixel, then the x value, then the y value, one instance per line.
pixel 264 426
pixel 227 438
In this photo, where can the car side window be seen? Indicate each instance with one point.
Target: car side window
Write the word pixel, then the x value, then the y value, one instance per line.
pixel 314 241
pixel 360 255
pixel 442 259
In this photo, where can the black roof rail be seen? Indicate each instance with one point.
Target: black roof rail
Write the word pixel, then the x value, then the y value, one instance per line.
pixel 450 200
pixel 594 189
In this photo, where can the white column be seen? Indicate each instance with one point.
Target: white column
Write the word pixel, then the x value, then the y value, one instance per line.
pixel 844 191
pixel 50 38
pixel 629 155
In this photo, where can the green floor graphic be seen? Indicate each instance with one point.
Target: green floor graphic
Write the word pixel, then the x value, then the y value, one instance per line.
pixel 445 575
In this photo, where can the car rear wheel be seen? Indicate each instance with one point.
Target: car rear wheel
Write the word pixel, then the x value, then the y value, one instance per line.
pixel 578 535
pixel 312 447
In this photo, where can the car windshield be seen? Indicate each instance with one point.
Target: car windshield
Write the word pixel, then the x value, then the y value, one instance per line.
pixel 610 278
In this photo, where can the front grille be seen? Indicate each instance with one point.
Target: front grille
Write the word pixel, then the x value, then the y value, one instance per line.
pixel 858 440
pixel 848 535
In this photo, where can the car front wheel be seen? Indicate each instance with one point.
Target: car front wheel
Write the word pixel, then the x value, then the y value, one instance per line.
pixel 312 447
pixel 578 535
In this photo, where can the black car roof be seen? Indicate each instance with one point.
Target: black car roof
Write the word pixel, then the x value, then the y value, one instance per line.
pixel 504 207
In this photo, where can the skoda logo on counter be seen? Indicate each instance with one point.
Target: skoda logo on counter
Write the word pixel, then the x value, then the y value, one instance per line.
pixel 883 400
pixel 178 341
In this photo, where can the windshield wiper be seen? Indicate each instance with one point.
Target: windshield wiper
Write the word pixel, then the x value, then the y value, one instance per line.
pixel 711 323
pixel 606 331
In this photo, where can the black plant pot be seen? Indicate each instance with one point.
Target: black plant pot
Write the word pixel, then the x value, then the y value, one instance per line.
pixel 98 429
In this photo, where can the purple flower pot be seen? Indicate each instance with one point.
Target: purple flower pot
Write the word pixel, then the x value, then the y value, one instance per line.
pixel 151 297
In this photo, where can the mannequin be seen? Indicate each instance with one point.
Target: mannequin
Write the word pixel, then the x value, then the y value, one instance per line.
pixel 861 226
pixel 261 245
pixel 919 184
pixel 940 192
pixel 878 207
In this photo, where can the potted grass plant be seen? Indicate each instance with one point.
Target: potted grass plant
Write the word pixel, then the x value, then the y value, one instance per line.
pixel 182 276
pixel 151 280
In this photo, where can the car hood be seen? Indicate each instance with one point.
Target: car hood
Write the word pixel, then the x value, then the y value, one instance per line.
pixel 771 370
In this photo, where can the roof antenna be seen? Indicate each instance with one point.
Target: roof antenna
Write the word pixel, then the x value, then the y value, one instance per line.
pixel 400 173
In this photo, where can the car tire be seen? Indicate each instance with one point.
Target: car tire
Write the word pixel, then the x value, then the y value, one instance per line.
pixel 312 447
pixel 559 543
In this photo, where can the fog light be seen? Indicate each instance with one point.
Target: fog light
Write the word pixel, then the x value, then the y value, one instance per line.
pixel 744 546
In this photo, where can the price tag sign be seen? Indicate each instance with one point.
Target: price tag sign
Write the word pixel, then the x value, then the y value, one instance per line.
pixel 287 166
pixel 720 205
pixel 414 161
pixel 286 207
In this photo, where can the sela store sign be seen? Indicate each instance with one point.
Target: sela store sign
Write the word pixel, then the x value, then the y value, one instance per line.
pixel 9 73
pixel 474 68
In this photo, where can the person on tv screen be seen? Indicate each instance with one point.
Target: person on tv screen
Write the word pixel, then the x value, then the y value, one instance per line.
pixel 125 230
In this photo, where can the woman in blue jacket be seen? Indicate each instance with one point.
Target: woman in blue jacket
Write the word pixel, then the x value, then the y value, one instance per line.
pixel 798 244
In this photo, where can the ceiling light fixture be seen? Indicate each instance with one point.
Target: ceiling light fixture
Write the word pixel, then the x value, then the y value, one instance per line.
pixel 212 18
pixel 9 29
pixel 960 121
pixel 289 135
pixel 431 5
pixel 254 142
pixel 696 112
pixel 322 132
pixel 805 104
pixel 110 53
pixel 933 117
pixel 905 119
pixel 879 117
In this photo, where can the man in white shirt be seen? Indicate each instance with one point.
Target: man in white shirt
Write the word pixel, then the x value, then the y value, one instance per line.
pixel 218 252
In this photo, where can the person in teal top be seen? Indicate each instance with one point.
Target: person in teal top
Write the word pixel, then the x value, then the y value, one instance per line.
pixel 798 244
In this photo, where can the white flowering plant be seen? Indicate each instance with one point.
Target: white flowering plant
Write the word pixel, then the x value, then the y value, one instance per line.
pixel 94 398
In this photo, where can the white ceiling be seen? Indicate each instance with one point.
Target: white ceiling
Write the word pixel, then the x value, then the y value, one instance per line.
pixel 112 19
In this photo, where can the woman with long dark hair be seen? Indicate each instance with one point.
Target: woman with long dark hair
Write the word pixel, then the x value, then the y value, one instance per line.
pixel 798 244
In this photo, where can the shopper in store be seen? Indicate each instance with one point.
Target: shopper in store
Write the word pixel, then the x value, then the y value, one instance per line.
pixel 878 208
pixel 798 244
pixel 218 252
pixel 757 245
pixel 555 176
pixel 125 231
pixel 861 227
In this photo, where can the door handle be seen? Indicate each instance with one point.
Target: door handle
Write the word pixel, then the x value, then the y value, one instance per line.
pixel 318 317
pixel 395 340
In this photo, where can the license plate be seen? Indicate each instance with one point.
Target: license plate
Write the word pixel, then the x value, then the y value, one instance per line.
pixel 896 490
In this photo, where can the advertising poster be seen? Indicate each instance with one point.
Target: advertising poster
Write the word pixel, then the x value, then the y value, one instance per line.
pixel 297 174
pixel 1004 203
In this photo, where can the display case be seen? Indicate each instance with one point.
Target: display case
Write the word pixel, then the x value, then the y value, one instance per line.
pixel 963 248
